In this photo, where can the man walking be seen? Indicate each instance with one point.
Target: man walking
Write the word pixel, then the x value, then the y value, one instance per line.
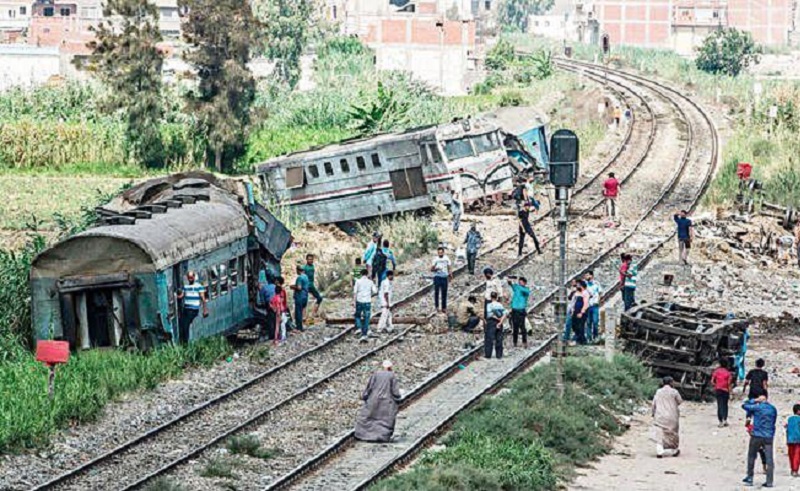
pixel 764 417
pixel 493 335
pixel 362 298
pixel 300 288
pixel 593 313
pixel 519 309
pixel 385 294
pixel 493 285
pixel 526 228
pixel 456 208
pixel 722 381
pixel 383 256
pixel 758 381
pixel 369 253
pixel 474 241
pixel 628 274
pixel 376 418
pixel 193 295
pixel 685 235
pixel 611 188
pixel 310 271
pixel 666 420
pixel 441 275
pixel 579 311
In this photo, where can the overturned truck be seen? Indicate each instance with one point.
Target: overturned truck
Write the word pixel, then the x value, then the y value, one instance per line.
pixel 683 342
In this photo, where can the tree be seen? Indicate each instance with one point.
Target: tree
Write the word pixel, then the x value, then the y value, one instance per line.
pixel 514 13
pixel 287 26
pixel 728 52
pixel 382 114
pixel 221 33
pixel 126 58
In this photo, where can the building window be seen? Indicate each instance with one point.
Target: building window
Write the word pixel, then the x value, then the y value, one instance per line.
pixel 23 11
pixel 328 169
pixel 376 161
pixel 487 5
pixel 360 163
pixel 344 165
pixel 64 11
pixel 314 171
pixel 12 14
pixel 49 11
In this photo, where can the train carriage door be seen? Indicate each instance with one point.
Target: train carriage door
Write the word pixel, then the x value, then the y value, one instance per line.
pixel 408 183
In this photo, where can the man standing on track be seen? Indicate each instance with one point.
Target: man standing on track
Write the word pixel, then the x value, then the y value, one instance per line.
pixel 519 309
pixel 310 271
pixel 593 313
pixel 493 285
pixel 385 295
pixel 685 235
pixel 300 288
pixel 362 298
pixel 493 335
pixel 628 274
pixel 456 208
pixel 611 188
pixel 525 227
pixel 441 275
pixel 579 312
pixel 474 241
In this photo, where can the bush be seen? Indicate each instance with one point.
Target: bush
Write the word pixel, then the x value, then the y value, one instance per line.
pixel 511 98
pixel 727 51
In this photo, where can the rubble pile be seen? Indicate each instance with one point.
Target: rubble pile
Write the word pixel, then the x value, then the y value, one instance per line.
pixel 682 342
pixel 745 239
pixel 784 325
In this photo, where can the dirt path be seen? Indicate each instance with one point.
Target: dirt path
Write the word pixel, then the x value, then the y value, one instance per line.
pixel 711 458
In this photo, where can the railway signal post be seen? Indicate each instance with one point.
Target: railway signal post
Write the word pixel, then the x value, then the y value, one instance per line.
pixel 564 151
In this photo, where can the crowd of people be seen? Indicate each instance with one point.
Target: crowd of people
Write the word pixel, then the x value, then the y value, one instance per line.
pixel 760 419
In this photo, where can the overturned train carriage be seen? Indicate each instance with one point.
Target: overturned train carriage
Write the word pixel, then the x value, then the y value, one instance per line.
pixel 397 172
pixel 682 342
pixel 115 284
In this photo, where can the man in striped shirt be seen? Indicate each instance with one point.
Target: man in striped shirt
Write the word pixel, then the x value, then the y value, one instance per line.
pixel 193 295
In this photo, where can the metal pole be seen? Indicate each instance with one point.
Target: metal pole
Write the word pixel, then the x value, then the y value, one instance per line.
pixel 562 196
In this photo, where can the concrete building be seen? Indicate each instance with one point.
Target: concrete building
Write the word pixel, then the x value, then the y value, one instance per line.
pixel 15 16
pixel 27 66
pixel 682 24
pixel 434 40
pixel 568 20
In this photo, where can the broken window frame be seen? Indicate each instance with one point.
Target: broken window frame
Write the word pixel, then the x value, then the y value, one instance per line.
pixel 376 160
pixel 292 180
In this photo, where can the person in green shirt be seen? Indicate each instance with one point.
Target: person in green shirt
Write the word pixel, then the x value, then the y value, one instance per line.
pixel 519 309
pixel 309 269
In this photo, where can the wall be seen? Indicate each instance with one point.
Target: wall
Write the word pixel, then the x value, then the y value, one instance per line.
pixel 27 65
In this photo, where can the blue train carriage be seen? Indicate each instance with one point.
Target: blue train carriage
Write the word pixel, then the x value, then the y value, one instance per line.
pixel 115 284
pixel 525 137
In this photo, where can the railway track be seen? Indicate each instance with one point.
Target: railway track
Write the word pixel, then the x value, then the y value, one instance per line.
pixel 112 459
pixel 336 468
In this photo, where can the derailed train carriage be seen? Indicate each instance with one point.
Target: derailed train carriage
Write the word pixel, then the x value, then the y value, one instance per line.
pixel 115 284
pixel 398 172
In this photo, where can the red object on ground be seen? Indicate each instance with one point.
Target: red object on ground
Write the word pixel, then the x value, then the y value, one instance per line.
pixel 743 170
pixel 52 352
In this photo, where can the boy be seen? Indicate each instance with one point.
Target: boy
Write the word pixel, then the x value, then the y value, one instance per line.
pixel 356 272
pixel 758 380
pixel 793 439
pixel 493 335
pixel 722 380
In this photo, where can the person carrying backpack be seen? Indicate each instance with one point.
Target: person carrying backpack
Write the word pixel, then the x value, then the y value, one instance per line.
pixel 380 261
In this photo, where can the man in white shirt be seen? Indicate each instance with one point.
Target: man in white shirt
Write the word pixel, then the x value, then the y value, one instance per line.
pixel 385 294
pixel 362 297
pixel 493 285
pixel 441 274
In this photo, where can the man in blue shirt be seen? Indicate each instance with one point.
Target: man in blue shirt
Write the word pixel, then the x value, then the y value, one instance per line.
pixel 519 309
pixel 764 416
pixel 593 313
pixel 300 288
pixel 685 235
pixel 193 295
pixel 266 290
pixel 493 335
pixel 474 241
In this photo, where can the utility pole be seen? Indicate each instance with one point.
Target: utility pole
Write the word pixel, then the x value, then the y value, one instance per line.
pixel 564 163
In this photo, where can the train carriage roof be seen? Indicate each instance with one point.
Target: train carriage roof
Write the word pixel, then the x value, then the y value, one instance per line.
pixel 148 245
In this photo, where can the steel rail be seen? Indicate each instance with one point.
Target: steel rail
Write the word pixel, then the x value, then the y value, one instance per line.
pixel 423 441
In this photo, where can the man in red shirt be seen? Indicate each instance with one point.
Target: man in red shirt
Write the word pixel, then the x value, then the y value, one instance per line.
pixel 722 380
pixel 610 193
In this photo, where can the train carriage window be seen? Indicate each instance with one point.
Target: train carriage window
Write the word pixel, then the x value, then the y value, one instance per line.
pixel 344 165
pixel 360 163
pixel 458 149
pixel 295 177
pixel 233 272
pixel 376 161
pixel 223 280
pixel 435 155
pixel 314 171
pixel 485 143
pixel 328 168
pixel 213 282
